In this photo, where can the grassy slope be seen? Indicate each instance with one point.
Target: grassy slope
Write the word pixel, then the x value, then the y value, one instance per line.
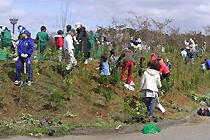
pixel 49 95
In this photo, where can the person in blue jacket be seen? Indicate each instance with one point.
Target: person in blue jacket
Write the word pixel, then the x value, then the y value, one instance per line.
pixel 25 49
pixel 207 64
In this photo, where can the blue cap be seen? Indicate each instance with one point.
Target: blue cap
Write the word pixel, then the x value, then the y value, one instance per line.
pixel 25 32
pixel 21 28
pixel 159 58
pixel 60 32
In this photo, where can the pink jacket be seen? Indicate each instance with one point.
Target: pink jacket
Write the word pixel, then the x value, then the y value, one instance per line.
pixel 163 68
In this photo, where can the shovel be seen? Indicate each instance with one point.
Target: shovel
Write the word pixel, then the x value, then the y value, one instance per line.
pixel 162 109
pixel 24 83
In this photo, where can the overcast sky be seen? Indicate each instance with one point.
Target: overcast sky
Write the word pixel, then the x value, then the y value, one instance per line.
pixel 186 14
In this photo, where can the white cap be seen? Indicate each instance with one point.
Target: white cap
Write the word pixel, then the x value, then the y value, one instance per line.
pixel 77 25
pixel 3 27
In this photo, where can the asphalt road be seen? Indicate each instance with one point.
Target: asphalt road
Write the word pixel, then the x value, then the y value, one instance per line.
pixel 196 129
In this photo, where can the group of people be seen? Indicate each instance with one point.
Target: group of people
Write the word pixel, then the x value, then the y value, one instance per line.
pixel 150 81
pixel 151 74
pixel 190 50
pixel 65 43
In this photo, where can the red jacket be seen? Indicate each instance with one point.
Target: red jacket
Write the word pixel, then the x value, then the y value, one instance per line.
pixel 163 68
pixel 58 41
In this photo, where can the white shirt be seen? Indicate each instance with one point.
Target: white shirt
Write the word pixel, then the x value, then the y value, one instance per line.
pixel 68 43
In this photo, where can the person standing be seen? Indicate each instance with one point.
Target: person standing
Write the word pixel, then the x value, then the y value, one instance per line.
pixel 42 37
pixel 163 69
pixel 94 39
pixel 127 54
pixel 68 48
pixel 25 49
pixel 84 44
pixel 192 56
pixel 149 84
pixel 59 43
pixel 5 37
pixel 68 28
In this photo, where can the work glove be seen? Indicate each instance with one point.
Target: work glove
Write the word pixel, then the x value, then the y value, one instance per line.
pixel 22 55
pixel 26 55
pixel 60 48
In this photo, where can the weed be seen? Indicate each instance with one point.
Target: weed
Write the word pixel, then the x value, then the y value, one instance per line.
pixel 81 56
pixel 134 108
pixel 104 79
pixel 108 93
pixel 115 77
pixel 69 81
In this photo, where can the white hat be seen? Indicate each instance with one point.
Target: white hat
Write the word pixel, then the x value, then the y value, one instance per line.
pixel 3 27
pixel 77 25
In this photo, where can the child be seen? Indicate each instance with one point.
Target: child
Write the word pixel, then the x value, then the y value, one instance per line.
pixel 163 69
pixel 113 60
pixel 59 43
pixel 25 49
pixel 149 84
pixel 205 65
pixel 42 37
pixel 59 40
pixel 104 66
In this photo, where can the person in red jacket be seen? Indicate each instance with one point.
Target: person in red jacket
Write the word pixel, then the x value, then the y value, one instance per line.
pixel 163 69
pixel 59 40
pixel 59 43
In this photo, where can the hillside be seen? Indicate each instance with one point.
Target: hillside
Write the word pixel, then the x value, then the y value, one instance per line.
pixel 84 96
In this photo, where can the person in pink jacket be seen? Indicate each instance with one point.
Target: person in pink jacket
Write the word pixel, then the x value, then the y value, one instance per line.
pixel 163 69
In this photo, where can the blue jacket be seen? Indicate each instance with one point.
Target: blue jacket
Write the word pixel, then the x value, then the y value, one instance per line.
pixel 207 63
pixel 105 68
pixel 26 46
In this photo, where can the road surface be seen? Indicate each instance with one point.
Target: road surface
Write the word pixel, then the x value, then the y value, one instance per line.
pixel 197 129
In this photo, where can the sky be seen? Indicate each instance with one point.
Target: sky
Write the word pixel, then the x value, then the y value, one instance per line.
pixel 32 14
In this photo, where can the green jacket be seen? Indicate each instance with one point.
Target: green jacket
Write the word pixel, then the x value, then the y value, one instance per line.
pixel 5 35
pixel 42 36
pixel 94 36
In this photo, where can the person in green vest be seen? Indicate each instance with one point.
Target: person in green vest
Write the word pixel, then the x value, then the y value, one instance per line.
pixel 94 39
pixel 5 37
pixel 43 37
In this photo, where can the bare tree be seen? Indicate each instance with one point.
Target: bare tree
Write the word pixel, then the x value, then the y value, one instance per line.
pixel 64 16
pixel 160 25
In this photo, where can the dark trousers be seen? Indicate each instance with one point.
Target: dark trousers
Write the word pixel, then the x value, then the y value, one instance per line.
pixel 165 76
